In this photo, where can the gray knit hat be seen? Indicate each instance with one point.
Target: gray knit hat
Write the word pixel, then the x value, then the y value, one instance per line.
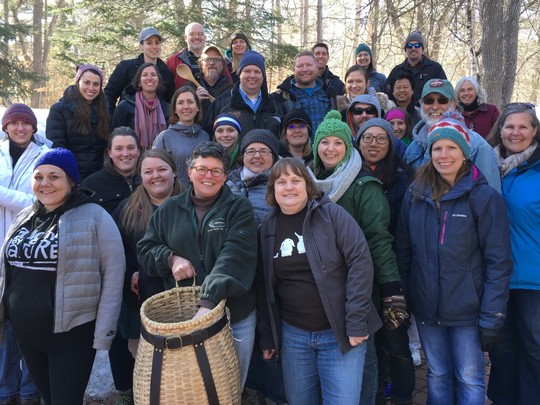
pixel 415 36
pixel 264 136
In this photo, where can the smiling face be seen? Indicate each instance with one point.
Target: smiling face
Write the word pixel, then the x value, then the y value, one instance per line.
pixel 321 55
pixel 149 80
pixel 467 93
pixel 290 193
pixel 369 111
pixel 20 133
pixel 51 186
pixel 517 132
pixel 157 179
pixel 374 151
pixel 239 47
pixel 195 37
pixel 403 92
pixel 331 151
pixel 414 54
pixel 305 71
pixel 124 154
pixel 447 158
pixel 258 163
pixel 186 108
pixel 226 135
pixel 363 59
pixel 433 105
pixel 297 133
pixel 399 126
pixel 207 186
pixel 355 84
pixel 251 80
pixel 151 48
pixel 89 86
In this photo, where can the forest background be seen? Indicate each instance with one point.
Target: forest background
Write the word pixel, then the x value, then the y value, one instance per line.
pixel 496 41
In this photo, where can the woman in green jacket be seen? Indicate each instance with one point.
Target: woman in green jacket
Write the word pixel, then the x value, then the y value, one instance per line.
pixel 208 233
pixel 340 174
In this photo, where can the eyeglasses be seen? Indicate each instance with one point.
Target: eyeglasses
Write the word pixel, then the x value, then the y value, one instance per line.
pixel 381 140
pixel 527 106
pixel 411 45
pixel 196 34
pixel 261 152
pixel 440 100
pixel 212 60
pixel 201 170
pixel 294 126
pixel 360 111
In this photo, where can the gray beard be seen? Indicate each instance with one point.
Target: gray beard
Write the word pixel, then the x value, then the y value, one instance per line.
pixel 212 75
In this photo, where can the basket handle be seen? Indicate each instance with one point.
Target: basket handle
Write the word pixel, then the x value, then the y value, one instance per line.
pixel 193 285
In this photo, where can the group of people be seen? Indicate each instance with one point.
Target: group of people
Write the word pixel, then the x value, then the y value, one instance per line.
pixel 345 223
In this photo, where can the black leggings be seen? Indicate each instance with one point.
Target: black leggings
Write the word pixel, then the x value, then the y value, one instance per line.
pixel 60 363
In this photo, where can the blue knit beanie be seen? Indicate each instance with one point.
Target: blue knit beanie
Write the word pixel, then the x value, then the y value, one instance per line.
pixel 63 159
pixel 227 119
pixel 252 58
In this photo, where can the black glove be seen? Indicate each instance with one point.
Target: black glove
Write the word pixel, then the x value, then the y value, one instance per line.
pixel 489 338
pixel 394 311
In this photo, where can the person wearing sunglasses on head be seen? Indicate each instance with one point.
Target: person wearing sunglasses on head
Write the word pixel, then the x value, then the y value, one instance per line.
pixel 417 63
pixel 438 103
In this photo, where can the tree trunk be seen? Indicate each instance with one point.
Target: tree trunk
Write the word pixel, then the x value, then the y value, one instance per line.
pixel 319 21
pixel 38 66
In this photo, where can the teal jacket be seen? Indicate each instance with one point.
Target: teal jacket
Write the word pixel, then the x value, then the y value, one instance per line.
pixel 366 203
pixel 222 249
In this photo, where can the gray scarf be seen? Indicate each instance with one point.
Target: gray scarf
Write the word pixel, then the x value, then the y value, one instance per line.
pixel 506 165
pixel 339 182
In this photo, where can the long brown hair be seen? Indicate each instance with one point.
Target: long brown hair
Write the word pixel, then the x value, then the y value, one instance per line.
pixel 428 175
pixel 138 209
pixel 82 115
pixel 173 117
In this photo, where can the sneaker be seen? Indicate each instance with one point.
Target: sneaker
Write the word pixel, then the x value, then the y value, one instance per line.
pixel 125 398
pixel 416 358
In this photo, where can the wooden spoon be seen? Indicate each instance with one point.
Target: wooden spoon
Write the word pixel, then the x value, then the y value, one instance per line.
pixel 185 73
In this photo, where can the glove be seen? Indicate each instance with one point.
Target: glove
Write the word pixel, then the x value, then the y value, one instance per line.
pixel 394 311
pixel 489 338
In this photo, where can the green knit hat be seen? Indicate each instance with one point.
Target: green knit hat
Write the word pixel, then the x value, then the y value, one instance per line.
pixel 332 126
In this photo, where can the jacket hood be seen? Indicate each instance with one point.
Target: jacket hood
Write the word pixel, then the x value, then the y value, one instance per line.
pixel 366 99
pixel 186 130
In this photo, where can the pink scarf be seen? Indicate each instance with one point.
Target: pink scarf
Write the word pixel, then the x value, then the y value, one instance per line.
pixel 149 119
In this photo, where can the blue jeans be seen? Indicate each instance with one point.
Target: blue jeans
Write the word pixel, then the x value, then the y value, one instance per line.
pixel 515 362
pixel 313 364
pixel 15 379
pixel 244 337
pixel 370 380
pixel 453 353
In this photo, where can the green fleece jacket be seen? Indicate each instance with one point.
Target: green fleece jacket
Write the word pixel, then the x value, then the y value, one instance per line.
pixel 222 249
pixel 365 201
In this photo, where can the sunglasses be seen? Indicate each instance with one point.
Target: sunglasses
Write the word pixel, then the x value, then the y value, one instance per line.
pixel 360 111
pixel 294 126
pixel 416 45
pixel 527 106
pixel 440 100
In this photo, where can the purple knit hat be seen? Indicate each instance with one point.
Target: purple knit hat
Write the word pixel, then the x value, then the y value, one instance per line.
pixel 19 112
pixel 83 68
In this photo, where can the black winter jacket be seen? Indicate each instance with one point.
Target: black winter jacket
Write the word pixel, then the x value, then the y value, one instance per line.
pixel 232 102
pixel 88 149
pixel 123 75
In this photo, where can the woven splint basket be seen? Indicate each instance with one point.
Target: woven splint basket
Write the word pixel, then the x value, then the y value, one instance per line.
pixel 181 360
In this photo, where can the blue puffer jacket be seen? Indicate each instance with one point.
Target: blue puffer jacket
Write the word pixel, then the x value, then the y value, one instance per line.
pixel 482 154
pixel 521 191
pixel 454 258
pixel 254 191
